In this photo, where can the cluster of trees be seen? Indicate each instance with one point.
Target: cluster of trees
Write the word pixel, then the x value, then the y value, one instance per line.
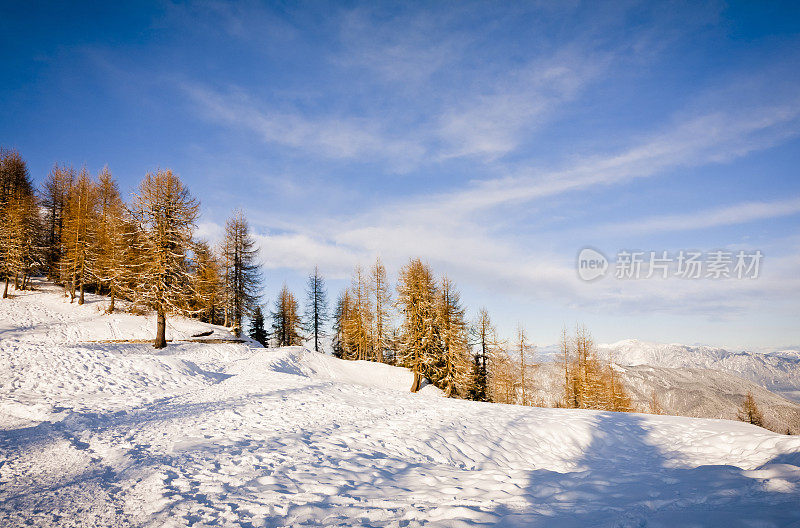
pixel 433 336
pixel 589 382
pixel 361 318
pixel 81 233
pixel 20 224
pixel 421 324
pixel 510 371
pixel 289 327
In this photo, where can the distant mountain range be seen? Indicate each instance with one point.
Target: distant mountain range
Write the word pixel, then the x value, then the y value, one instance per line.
pixel 777 371
pixel 692 380
pixel 701 393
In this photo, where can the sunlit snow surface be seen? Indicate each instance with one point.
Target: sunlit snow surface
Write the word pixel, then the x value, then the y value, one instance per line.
pixel 118 434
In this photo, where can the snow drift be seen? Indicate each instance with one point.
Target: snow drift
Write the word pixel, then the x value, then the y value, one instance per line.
pixel 230 434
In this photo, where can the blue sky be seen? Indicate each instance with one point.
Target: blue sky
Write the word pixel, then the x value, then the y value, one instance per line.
pixel 494 141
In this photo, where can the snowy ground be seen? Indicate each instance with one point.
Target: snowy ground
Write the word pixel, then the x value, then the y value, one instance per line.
pixel 115 434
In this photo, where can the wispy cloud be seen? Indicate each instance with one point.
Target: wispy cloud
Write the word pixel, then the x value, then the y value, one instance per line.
pixel 249 20
pixel 444 229
pixel 740 213
pixel 342 137
pixel 716 137
pixel 403 50
pixel 495 122
pixel 300 251
pixel 410 108
pixel 413 106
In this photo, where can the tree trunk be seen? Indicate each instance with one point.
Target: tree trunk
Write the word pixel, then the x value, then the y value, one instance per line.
pixel 5 291
pixel 417 382
pixel 111 304
pixel 161 330
pixel 80 299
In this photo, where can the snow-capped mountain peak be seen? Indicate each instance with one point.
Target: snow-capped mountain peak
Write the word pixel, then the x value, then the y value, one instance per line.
pixel 777 371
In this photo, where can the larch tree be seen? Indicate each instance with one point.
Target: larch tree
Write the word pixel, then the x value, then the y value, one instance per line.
pixel 18 236
pixel 208 284
pixel 341 315
pixel 565 349
pixel 380 301
pixel 227 267
pixel 316 307
pixel 618 398
pixel 583 371
pixel 416 302
pixel 54 192
pixel 80 230
pixel 7 245
pixel 14 177
pixel 19 220
pixel 243 273
pixel 524 365
pixel 357 325
pixel 112 239
pixel 352 321
pixel 257 330
pixel 484 341
pixel 453 372
pixel 590 382
pixel 286 323
pixel 164 213
pixel 503 382
pixel 749 411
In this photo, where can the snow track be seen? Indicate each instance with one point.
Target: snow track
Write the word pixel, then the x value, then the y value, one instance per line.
pixel 233 435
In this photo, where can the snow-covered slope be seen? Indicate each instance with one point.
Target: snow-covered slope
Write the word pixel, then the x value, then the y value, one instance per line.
pixel 321 366
pixel 56 356
pixel 236 435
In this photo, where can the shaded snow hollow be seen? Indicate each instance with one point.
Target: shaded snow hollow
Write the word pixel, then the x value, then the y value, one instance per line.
pixel 230 434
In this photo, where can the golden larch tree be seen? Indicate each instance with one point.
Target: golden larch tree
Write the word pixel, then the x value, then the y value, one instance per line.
pixel 164 213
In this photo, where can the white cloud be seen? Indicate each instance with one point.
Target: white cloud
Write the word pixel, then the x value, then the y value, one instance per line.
pixel 495 122
pixel 712 138
pixel 405 51
pixel 302 252
pixel 329 136
pixel 210 231
pixel 445 230
pixel 457 230
pixel 722 216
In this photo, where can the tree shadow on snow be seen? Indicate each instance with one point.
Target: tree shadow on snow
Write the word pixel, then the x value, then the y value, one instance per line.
pixel 623 480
